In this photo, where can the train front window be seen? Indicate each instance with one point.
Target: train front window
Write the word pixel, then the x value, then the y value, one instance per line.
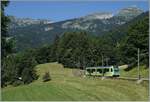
pixel 111 70
pixel 116 69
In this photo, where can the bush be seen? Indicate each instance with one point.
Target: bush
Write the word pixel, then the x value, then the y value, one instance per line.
pixel 46 77
pixel 17 83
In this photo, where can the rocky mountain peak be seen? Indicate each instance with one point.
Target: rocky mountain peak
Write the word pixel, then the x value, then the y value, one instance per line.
pixel 129 11
pixel 99 15
pixel 22 22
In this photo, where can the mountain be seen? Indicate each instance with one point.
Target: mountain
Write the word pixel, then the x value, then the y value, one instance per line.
pixel 23 22
pixel 99 15
pixel 118 34
pixel 31 33
pixel 129 13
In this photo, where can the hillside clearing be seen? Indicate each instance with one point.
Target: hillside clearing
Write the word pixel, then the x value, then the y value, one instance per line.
pixel 65 86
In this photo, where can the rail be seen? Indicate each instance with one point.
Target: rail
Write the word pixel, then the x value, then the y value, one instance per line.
pixel 134 79
pixel 125 78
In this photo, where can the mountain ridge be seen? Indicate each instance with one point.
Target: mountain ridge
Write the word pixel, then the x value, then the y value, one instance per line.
pixel 96 24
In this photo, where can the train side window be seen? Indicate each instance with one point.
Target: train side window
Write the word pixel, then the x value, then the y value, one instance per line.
pixel 106 70
pixel 99 70
pixel 88 70
pixel 93 70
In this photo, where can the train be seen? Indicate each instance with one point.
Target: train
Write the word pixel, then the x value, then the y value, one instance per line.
pixel 108 71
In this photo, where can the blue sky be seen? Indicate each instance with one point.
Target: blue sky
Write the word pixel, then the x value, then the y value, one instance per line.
pixel 58 11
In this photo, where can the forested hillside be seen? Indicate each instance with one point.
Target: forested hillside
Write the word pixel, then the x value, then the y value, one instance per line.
pixel 80 49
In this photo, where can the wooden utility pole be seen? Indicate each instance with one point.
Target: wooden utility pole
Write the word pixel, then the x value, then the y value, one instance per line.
pixel 102 61
pixel 102 64
pixel 139 76
pixel 107 61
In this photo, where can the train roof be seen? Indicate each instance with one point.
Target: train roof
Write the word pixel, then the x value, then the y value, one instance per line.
pixel 101 67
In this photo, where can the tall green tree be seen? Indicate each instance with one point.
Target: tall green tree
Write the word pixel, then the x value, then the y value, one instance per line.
pixel 72 49
pixel 137 37
pixel 6 46
pixel 14 65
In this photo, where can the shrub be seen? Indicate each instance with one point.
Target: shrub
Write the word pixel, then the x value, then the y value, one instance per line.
pixel 17 83
pixel 46 77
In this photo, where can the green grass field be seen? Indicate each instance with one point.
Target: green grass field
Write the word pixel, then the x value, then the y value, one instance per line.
pixel 66 86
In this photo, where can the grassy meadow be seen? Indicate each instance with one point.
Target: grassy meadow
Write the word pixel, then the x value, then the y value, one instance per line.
pixel 67 86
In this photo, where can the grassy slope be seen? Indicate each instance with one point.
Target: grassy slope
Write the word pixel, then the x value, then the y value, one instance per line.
pixel 65 86
pixel 134 72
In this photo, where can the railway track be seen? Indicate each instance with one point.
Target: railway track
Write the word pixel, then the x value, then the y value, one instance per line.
pixel 123 78
pixel 129 78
